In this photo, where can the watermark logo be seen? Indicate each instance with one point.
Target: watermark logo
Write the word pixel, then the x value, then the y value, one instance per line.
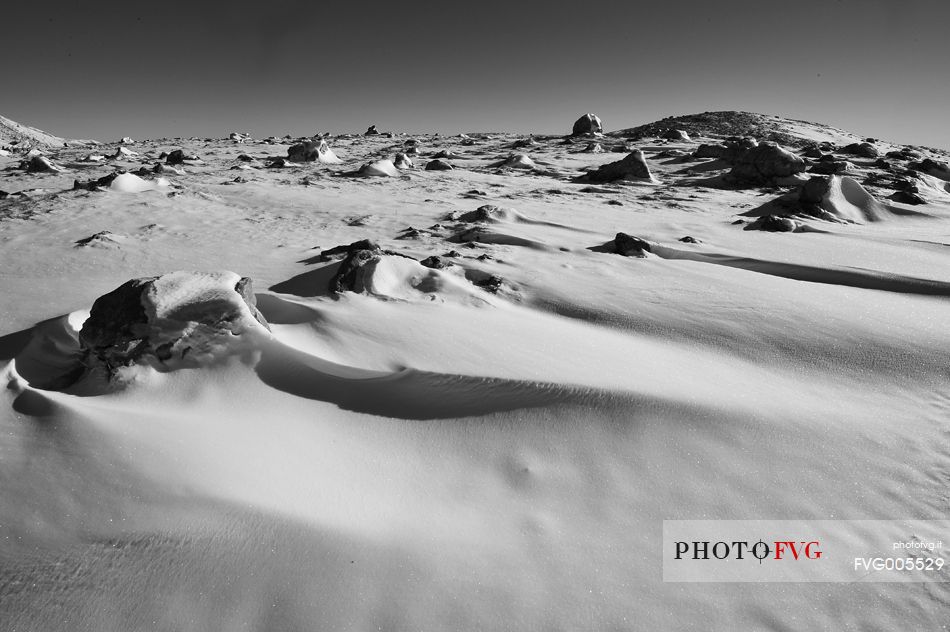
pixel 805 551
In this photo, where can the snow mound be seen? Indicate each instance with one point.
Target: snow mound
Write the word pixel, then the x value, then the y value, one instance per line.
pixel 131 183
pixel 831 198
pixel 843 197
pixel 515 161
pixel 384 168
pixel 400 278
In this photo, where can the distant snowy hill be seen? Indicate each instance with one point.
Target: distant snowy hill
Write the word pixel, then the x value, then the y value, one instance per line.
pixel 13 132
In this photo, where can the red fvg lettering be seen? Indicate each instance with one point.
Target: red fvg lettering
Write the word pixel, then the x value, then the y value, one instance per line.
pixel 788 546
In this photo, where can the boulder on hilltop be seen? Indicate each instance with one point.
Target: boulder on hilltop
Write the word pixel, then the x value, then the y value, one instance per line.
pixel 587 124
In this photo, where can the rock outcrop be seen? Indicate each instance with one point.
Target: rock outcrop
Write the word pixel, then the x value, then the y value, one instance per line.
pixel 676 134
pixel 439 165
pixel 168 321
pixel 632 167
pixel 831 167
pixel 765 162
pixel 774 224
pixel 630 246
pixel 402 161
pixel 863 150
pixel 933 168
pixel 312 151
pixel 176 157
pixel 730 150
pixel 40 164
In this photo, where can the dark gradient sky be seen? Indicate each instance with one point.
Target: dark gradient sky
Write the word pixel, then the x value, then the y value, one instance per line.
pixel 108 69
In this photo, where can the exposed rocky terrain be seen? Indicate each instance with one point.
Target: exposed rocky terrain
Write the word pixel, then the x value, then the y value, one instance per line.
pixel 421 381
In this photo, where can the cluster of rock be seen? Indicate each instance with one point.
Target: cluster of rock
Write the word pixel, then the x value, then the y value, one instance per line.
pixel 933 168
pixel 730 150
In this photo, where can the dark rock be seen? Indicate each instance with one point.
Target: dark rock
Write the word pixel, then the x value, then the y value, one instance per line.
pixel 831 167
pixel 438 165
pixel 436 262
pixel 676 134
pixel 773 224
pixel 710 151
pixel 492 283
pixel 632 167
pixel 587 124
pixel 765 162
pixel 371 131
pixel 310 151
pixel 349 277
pixel 484 213
pixel 402 161
pixel 93 185
pixel 342 251
pixel 689 240
pixel 39 164
pixel 908 197
pixel 245 158
pixel 729 151
pixel 864 150
pixel 100 236
pixel 119 331
pixel 630 246
pixel 932 167
pixel 176 157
